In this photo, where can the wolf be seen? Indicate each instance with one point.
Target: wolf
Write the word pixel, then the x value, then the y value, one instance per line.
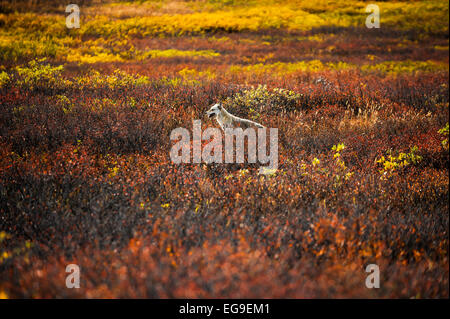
pixel 227 120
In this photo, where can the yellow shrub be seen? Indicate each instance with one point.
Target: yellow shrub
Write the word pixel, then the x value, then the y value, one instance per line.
pixel 4 78
pixel 39 74
pixel 396 67
pixel 172 53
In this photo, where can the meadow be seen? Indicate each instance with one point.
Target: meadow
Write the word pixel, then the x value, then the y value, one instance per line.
pixel 86 177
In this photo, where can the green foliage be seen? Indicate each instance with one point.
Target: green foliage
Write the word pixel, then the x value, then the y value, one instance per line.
pixel 39 74
pixel 18 250
pixel 64 102
pixel 397 67
pixel 341 171
pixel 119 79
pixel 14 47
pixel 392 163
pixel 192 76
pixel 172 53
pixel 260 98
pixel 331 168
pixel 4 78
pixel 444 132
pixel 286 68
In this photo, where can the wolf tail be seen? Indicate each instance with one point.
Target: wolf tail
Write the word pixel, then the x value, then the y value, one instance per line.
pixel 252 123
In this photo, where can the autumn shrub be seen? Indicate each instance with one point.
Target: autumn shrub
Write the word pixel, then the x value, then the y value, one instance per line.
pixel 4 78
pixel 444 132
pixel 253 100
pixel 86 176
pixel 40 75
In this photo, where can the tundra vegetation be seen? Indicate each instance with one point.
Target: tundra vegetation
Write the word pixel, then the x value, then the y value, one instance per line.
pixel 86 178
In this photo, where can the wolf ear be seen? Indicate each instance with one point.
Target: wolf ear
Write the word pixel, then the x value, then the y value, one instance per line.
pixel 219 106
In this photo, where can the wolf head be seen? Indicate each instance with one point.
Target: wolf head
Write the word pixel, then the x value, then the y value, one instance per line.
pixel 214 110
